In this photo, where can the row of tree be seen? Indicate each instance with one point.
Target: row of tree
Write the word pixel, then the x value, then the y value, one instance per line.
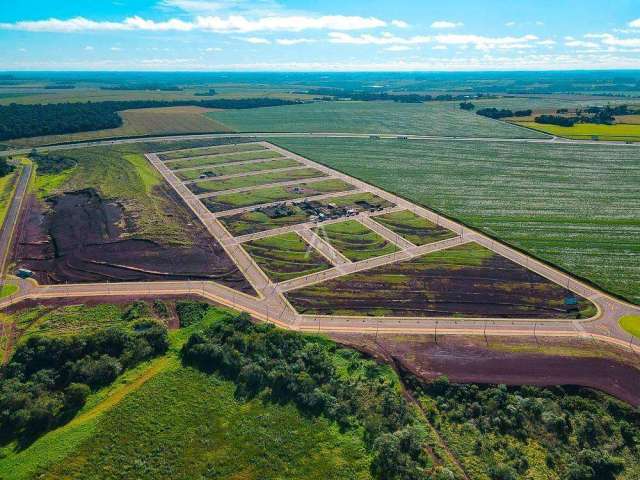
pixel 19 121
pixel 502 113
pixel 48 379
pixel 366 96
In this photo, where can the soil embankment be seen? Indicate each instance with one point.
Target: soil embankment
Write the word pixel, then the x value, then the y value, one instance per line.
pixel 467 361
pixel 78 237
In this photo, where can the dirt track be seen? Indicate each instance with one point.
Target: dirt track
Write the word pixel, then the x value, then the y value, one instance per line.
pixel 466 361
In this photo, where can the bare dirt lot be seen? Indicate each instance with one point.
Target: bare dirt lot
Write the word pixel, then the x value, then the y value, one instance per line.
pixel 464 360
pixel 78 237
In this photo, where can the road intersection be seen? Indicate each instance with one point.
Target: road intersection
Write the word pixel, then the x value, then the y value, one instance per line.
pixel 271 305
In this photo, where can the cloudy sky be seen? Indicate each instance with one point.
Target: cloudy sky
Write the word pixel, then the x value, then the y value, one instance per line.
pixel 319 35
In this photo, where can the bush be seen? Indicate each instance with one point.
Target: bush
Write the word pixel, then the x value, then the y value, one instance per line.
pixel 190 312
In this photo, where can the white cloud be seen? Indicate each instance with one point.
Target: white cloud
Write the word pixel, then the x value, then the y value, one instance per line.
pixel 635 23
pixel 230 24
pixel 213 49
pixel 443 24
pixel 487 43
pixel 398 48
pixel 610 40
pixel 440 47
pixel 384 39
pixel 293 41
pixel 399 23
pixel 510 24
pixel 540 24
pixel 581 44
pixel 195 6
pixel 115 49
pixel 546 43
pixel 256 40
pixel 22 49
pixel 88 48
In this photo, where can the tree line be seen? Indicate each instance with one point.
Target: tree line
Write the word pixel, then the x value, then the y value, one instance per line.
pixel 5 168
pixel 497 114
pixel 48 379
pixel 332 93
pixel 597 115
pixel 20 121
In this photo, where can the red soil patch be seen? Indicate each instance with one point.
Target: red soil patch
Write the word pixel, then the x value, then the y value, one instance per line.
pixel 78 237
pixel 463 361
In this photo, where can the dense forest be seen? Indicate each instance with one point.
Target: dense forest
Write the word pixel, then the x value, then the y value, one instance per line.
pixel 19 121
pixel 495 432
pixel 48 379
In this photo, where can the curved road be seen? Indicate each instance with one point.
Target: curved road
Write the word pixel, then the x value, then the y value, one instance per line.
pixel 271 305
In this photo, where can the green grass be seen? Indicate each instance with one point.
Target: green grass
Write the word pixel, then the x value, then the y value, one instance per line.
pixel 355 241
pixel 122 173
pixel 418 230
pixel 287 256
pixel 433 118
pixel 186 424
pixel 631 324
pixel 463 281
pixel 274 194
pixel 251 222
pixel 7 187
pixel 215 150
pixel 7 290
pixel 587 131
pixel 239 168
pixel 575 206
pixel 223 158
pixel 255 180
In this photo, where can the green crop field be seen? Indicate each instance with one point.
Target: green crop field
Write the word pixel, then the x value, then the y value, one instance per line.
pixel 252 222
pixel 274 194
pixel 464 281
pixel 216 150
pixel 140 122
pixel 286 256
pixel 624 132
pixel 355 241
pixel 418 230
pixel 221 158
pixel 575 206
pixel 433 118
pixel 631 324
pixel 255 180
pixel 235 168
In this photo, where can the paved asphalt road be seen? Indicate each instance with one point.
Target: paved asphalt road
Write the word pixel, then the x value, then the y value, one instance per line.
pixel 270 304
pixel 12 217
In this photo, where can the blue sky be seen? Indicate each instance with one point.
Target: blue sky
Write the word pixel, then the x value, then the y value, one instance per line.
pixel 314 35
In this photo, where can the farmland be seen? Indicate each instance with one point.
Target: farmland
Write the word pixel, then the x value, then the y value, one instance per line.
pixel 227 201
pixel 433 118
pixel 355 241
pixel 464 281
pixel 575 206
pixel 418 230
pixel 236 168
pixel 588 131
pixel 256 221
pixel 254 180
pixel 221 158
pixel 215 150
pixel 286 256
pixel 142 122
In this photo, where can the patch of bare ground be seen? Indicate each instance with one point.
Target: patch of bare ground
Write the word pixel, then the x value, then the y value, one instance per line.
pixel 541 362
pixel 79 237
